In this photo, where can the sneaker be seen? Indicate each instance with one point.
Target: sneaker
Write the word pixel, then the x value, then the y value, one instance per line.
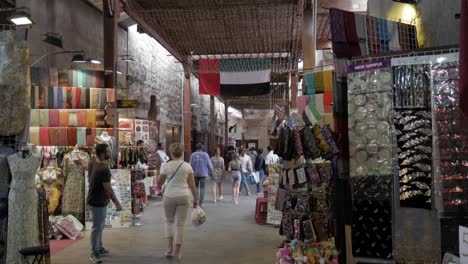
pixel 95 258
pixel 221 198
pixel 103 252
pixel 248 194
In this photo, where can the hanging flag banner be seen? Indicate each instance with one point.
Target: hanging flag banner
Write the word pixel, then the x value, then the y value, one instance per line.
pixel 246 77
pixel 312 114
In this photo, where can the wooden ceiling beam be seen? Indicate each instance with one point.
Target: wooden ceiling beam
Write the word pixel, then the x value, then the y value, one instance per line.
pixel 135 11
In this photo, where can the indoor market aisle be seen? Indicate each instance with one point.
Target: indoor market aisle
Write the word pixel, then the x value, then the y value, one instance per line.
pixel 229 235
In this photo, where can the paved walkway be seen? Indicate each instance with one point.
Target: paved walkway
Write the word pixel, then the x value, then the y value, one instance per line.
pixel 230 236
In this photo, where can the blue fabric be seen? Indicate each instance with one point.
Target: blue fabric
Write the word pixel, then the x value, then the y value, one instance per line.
pixel 383 34
pixel 261 177
pixel 200 182
pixel 245 183
pixel 201 164
pixel 99 222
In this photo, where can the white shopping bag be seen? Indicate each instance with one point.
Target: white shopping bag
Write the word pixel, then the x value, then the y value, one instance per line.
pixel 256 175
pixel 198 216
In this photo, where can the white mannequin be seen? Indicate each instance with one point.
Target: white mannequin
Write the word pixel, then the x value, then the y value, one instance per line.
pixel 105 136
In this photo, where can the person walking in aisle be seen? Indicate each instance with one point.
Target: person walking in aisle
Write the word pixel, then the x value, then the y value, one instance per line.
pixel 201 165
pixel 234 168
pixel 99 195
pixel 246 169
pixel 260 168
pixel 217 174
pixel 270 159
pixel 180 183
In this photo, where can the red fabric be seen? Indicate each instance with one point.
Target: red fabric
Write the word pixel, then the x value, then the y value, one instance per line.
pixel 44 136
pixel 54 117
pixel 78 97
pixel 58 245
pixel 328 102
pixel 209 77
pixel 71 136
pixel 63 136
pixel 90 135
pixel 74 97
pixel 82 118
pixel 463 83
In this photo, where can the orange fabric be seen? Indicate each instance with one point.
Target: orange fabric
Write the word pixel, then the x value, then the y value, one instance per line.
pixel 91 118
pixel 82 118
pixel 63 118
pixel 54 136
pixel 71 136
pixel 63 136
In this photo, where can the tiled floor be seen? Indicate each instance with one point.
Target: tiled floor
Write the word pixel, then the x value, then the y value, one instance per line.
pixel 229 236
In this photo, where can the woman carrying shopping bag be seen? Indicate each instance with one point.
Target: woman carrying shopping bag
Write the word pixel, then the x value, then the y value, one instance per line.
pixel 179 185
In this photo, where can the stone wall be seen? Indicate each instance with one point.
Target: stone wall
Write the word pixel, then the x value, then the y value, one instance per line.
pixel 435 19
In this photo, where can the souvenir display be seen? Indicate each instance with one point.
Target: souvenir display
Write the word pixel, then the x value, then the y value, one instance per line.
pixel 369 108
pixel 274 213
pixel 451 162
pixel 121 186
pixel 372 217
pixel 414 137
pixel 411 85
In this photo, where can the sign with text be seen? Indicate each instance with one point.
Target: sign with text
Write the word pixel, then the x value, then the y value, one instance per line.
pixel 128 104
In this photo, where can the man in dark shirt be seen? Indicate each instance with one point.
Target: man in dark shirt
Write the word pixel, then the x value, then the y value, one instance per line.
pixel 99 195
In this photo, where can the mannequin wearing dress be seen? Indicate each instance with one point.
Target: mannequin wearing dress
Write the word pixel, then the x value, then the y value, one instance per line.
pixel 105 138
pixel 75 165
pixel 52 182
pixel 23 203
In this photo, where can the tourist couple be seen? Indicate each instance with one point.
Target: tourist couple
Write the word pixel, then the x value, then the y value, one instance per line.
pixel 176 175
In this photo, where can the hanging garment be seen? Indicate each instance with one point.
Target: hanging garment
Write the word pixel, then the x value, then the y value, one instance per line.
pixel 71 136
pixel 54 136
pixel 81 136
pixel 74 190
pixel 44 118
pixel 91 118
pixel 22 214
pixel 59 97
pixel 82 118
pixel 63 136
pixel 50 97
pixel 63 118
pixel 84 99
pixel 34 118
pixel 44 136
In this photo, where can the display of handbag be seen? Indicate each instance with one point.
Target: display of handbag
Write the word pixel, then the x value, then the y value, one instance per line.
pixel 310 148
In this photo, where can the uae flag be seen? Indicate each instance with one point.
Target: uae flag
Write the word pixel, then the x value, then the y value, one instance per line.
pixel 235 77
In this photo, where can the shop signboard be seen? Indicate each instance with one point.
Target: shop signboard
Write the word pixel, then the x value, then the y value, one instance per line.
pixel 128 104
pixel 121 185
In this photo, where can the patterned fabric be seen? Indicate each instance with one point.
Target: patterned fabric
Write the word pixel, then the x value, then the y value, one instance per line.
pixel 22 215
pixel 74 189
pixel 44 118
pixel 54 118
pixel 14 84
pixel 372 217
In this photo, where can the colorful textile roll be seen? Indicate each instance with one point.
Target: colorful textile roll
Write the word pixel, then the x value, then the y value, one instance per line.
pixel 55 88
pixel 83 99
pixel 319 83
pixel 81 136
pixel 34 136
pixel 44 118
pixel 54 136
pixel 35 95
pixel 82 118
pixel 63 136
pixel 94 98
pixel 59 98
pixel 90 135
pixel 110 95
pixel 50 96
pixel 63 118
pixel 63 77
pixel 64 98
pixel 88 98
pixel 91 120
pixel 102 98
pixel 44 136
pixel 69 97
pixel 78 97
pixel 54 118
pixel 100 115
pixel 71 136
pixel 72 118
pixel 34 118
pixel 42 97
pixel 74 98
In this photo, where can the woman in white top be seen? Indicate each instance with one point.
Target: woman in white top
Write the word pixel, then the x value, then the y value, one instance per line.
pixel 180 183
pixel 217 174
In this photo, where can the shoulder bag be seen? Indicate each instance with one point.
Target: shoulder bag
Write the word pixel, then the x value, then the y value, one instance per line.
pixel 163 189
